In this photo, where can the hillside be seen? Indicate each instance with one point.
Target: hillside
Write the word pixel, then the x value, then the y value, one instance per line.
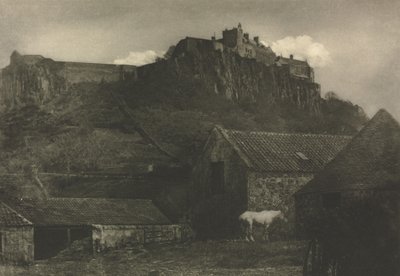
pixel 140 129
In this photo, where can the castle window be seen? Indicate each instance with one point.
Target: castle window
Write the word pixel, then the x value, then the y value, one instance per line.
pixel 331 200
pixel 217 177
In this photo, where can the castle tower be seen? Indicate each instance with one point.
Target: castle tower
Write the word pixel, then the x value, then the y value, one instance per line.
pixel 14 56
pixel 233 38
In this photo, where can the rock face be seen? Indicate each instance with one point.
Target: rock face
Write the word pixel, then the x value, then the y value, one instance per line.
pixel 33 79
pixel 245 80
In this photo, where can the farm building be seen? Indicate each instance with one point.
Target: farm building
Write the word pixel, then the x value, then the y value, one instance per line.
pixel 255 171
pixel 39 229
pixel 350 211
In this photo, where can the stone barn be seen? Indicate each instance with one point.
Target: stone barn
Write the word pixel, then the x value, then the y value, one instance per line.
pixel 39 229
pixel 240 171
pixel 350 211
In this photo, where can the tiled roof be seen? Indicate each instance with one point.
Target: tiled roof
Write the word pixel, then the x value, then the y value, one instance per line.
pixel 266 151
pixel 88 211
pixel 370 161
pixel 9 217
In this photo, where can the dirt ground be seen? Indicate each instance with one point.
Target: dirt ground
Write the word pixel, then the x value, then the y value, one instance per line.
pixel 196 258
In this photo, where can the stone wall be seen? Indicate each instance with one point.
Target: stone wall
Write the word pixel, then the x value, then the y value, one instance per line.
pixel 117 236
pixel 17 244
pixel 76 72
pixel 267 191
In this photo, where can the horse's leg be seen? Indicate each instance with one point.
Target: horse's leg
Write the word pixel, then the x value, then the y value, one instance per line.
pixel 243 229
pixel 266 234
pixel 247 233
pixel 251 231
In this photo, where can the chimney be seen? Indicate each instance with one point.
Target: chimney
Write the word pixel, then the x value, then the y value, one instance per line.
pixel 257 40
pixel 291 56
pixel 246 36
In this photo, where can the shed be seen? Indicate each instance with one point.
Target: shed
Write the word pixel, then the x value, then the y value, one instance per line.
pixel 104 223
pixel 350 210
pixel 16 236
pixel 240 171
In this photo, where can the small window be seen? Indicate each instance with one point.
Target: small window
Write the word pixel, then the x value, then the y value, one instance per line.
pixel 331 200
pixel 217 177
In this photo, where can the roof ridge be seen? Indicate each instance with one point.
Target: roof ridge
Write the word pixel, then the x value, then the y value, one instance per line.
pixel 273 151
pixel 97 198
pixel 18 214
pixel 314 184
pixel 285 133
pixel 241 154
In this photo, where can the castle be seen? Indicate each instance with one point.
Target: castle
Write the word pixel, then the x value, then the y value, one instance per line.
pixel 37 79
pixel 237 41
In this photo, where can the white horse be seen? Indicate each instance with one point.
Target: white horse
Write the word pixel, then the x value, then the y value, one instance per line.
pixel 264 218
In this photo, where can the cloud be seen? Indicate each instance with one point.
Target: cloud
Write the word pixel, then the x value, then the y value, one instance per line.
pixel 303 47
pixel 139 58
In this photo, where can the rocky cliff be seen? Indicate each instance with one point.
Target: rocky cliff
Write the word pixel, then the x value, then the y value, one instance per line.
pixel 34 79
pixel 241 80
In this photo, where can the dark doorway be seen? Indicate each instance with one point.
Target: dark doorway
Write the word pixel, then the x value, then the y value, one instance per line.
pixel 331 200
pixel 217 178
pixel 49 241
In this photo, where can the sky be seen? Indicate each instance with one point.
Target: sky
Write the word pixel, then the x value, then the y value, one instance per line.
pixel 353 45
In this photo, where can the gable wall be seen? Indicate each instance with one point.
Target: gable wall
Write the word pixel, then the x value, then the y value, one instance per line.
pixel 219 211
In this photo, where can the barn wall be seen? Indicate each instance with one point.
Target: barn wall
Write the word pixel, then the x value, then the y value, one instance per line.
pixel 215 214
pixel 268 191
pixel 363 227
pixel 116 236
pixel 17 244
pixel 309 207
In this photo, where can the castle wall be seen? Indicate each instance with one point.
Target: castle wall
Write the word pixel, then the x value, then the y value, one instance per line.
pixel 75 72
pixel 264 55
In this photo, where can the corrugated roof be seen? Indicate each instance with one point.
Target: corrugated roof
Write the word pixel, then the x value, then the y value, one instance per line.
pixel 285 152
pixel 9 217
pixel 88 211
pixel 370 161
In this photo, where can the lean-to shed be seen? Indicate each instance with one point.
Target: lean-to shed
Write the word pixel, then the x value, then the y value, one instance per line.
pixel 350 211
